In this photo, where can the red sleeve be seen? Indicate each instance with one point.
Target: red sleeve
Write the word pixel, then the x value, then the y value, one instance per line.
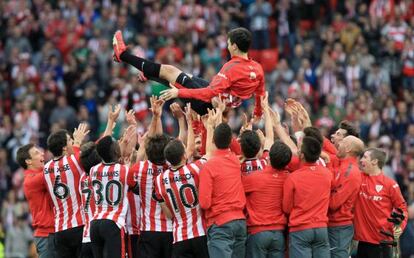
pixel 206 187
pixel 288 189
pixel 328 146
pixel 260 91
pixel 398 202
pixel 294 163
pixel 218 84
pixel 344 190
pixel 76 152
pixel 265 155
pixel 131 182
pixel 203 94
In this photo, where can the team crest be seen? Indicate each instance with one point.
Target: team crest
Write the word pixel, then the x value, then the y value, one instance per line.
pixel 378 188
pixel 252 75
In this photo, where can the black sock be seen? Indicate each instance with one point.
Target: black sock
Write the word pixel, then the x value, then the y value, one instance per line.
pixel 150 69
pixel 185 80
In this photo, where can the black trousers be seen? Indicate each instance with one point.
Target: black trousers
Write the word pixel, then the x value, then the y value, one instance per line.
pixel 191 248
pixel 132 245
pixel 155 244
pixel 68 242
pixel 368 250
pixel 87 250
pixel 107 239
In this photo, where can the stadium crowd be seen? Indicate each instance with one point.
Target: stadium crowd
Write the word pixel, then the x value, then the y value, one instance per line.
pixel 350 60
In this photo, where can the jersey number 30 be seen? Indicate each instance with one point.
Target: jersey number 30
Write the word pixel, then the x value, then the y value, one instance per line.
pixel 100 188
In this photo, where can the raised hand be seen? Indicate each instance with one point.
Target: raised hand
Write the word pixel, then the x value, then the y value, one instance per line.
pixel 188 113
pixel 141 77
pixel 176 110
pixel 114 112
pixel 170 93
pixel 79 134
pixel 130 117
pixel 219 103
pixel 156 105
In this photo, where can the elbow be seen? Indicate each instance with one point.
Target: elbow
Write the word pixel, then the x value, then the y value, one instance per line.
pixel 204 204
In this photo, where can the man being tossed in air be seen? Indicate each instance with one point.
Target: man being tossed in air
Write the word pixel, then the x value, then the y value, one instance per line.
pixel 237 80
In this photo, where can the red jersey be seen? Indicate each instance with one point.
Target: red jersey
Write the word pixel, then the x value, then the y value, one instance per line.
pixel 237 80
pixel 111 183
pixel 152 217
pixel 346 184
pixel 221 191
pixel 306 197
pixel 63 179
pixel 377 198
pixel 134 214
pixel 179 190
pixel 264 193
pixel 40 203
pixel 252 165
pixel 88 205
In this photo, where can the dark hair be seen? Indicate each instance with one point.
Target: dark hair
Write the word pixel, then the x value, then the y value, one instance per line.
pixel 280 155
pixel 313 132
pixel 89 156
pixel 241 37
pixel 379 155
pixel 222 136
pixel 155 149
pixel 108 149
pixel 174 152
pixel 349 128
pixel 23 154
pixel 250 144
pixel 311 149
pixel 57 141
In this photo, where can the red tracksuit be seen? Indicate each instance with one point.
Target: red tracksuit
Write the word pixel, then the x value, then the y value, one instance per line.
pixel 377 198
pixel 221 192
pixel 237 80
pixel 347 181
pixel 40 203
pixel 264 192
pixel 306 197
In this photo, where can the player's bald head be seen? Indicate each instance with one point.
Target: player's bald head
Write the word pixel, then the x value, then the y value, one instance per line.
pixel 355 145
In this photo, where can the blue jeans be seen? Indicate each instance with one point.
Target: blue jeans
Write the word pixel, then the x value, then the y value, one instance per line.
pixel 228 240
pixel 266 244
pixel 44 247
pixel 340 239
pixel 309 243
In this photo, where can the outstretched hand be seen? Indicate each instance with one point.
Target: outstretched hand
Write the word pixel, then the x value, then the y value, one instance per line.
pixel 130 117
pixel 114 112
pixel 156 105
pixel 176 110
pixel 79 134
pixel 170 93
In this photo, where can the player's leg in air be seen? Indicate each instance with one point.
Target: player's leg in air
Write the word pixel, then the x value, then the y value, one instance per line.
pixel 162 73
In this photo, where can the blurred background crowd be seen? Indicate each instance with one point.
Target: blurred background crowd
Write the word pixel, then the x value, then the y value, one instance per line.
pixel 350 59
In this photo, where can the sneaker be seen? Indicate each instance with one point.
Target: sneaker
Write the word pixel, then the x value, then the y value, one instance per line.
pixel 119 45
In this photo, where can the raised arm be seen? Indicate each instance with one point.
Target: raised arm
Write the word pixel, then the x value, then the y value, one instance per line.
pixel 178 114
pixel 113 115
pixel 280 131
pixel 190 132
pixel 268 123
pixel 78 136
pixel 156 108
